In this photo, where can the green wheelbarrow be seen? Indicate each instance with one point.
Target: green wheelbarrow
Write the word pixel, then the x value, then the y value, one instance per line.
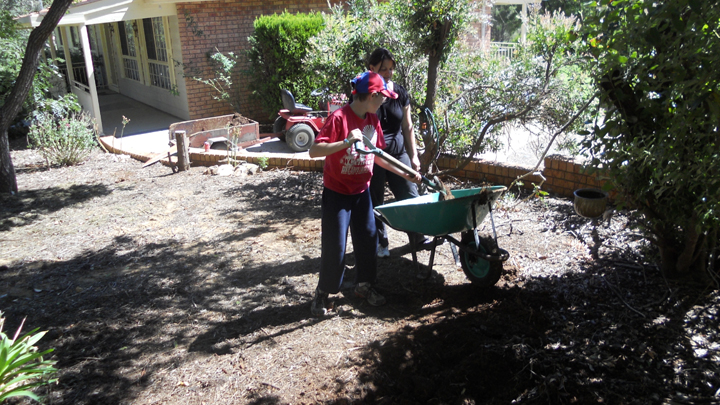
pixel 480 257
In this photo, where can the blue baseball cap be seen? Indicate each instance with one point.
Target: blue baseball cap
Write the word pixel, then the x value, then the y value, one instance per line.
pixel 371 82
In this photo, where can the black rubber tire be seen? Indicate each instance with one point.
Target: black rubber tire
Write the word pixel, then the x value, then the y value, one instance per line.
pixel 279 126
pixel 482 273
pixel 300 137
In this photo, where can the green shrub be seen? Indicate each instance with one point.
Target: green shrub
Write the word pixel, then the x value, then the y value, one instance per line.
pixel 277 48
pixel 336 54
pixel 12 50
pixel 659 77
pixel 64 141
pixel 22 366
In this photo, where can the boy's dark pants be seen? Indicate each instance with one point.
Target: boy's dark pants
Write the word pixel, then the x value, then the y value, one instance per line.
pixel 340 212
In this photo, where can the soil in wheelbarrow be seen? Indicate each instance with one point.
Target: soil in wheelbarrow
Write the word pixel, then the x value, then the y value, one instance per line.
pixel 195 289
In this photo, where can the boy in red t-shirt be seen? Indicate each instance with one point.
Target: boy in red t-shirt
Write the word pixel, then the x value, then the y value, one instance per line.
pixel 346 200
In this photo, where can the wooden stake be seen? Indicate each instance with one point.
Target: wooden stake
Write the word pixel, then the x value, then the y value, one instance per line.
pixel 183 151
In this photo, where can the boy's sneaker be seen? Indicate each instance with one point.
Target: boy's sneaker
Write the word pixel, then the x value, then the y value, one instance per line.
pixel 383 251
pixel 365 290
pixel 319 303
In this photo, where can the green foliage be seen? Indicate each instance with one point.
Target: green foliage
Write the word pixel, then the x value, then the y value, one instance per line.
pixel 18 7
pixel 277 48
pixel 340 50
pixel 64 141
pixel 544 85
pixel 507 22
pixel 263 162
pixel 39 99
pixel 337 53
pixel 659 77
pixel 12 49
pixel 568 7
pixel 434 25
pixel 22 366
pixel 223 66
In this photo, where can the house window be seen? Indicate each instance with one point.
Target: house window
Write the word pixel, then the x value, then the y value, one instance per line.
pixel 156 48
pixel 146 52
pixel 131 68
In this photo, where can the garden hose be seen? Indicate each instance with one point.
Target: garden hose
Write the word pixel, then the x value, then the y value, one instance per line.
pixel 429 114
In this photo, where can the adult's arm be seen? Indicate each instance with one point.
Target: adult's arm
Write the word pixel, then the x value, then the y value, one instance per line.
pixel 409 134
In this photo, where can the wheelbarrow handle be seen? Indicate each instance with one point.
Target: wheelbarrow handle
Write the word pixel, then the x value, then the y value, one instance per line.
pixel 380 216
pixel 398 164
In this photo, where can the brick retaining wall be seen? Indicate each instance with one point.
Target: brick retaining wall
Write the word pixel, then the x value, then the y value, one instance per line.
pixel 563 174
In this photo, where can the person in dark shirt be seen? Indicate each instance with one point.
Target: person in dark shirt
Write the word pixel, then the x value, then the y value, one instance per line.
pixel 397 127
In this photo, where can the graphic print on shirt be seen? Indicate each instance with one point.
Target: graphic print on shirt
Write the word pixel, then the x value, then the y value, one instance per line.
pixel 355 163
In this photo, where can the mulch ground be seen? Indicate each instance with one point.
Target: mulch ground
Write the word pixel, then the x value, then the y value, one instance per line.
pixel 191 288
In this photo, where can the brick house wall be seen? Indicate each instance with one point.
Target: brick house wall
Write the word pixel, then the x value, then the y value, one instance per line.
pixel 225 25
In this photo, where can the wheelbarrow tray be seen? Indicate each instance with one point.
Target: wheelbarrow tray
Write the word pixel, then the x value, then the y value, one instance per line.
pixel 429 215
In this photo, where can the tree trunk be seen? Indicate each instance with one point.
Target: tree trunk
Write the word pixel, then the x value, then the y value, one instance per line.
pixel 434 58
pixel 429 141
pixel 13 103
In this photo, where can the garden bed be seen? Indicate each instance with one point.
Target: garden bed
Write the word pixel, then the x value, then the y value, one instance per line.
pixel 189 289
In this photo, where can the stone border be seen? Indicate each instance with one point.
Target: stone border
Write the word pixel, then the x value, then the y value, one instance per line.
pixel 563 174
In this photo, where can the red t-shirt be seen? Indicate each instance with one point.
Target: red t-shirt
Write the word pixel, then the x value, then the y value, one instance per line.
pixel 348 172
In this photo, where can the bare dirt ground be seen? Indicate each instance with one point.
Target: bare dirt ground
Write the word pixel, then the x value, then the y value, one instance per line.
pixel 161 288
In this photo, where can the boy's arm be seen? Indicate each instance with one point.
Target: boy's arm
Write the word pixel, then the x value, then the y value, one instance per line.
pixel 327 149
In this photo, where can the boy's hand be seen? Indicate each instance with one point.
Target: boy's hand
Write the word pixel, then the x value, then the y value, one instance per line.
pixel 354 136
pixel 417 179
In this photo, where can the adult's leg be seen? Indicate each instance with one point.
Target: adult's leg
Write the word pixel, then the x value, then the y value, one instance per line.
pixel 403 189
pixel 335 221
pixel 364 236
pixel 377 194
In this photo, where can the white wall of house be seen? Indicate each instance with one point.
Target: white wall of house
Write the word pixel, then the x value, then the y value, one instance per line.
pixel 164 100
pixel 183 111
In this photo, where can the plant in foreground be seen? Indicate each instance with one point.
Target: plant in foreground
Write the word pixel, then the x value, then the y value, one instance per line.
pixel 22 366
pixel 64 141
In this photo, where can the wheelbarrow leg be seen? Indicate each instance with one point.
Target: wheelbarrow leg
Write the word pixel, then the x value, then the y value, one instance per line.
pixel 413 246
pixel 432 252
pixel 456 256
pixel 423 275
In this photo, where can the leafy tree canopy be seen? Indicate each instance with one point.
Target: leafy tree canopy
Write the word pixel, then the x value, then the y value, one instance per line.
pixel 659 76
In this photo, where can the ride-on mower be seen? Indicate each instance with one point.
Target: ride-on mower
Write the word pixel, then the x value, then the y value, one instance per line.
pixel 300 124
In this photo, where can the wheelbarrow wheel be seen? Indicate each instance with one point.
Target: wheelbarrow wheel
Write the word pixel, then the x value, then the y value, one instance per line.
pixel 300 137
pixel 482 273
pixel 279 126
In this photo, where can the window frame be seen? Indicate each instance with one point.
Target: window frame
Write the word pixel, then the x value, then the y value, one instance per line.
pixel 124 46
pixel 146 71
pixel 167 64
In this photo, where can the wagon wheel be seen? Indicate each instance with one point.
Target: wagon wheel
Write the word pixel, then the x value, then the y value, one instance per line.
pixel 481 272
pixel 279 126
pixel 300 137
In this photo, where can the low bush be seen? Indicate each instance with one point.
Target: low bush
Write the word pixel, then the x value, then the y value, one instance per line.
pixel 63 141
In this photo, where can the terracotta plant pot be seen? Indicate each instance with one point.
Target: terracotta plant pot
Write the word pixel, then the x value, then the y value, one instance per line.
pixel 590 202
